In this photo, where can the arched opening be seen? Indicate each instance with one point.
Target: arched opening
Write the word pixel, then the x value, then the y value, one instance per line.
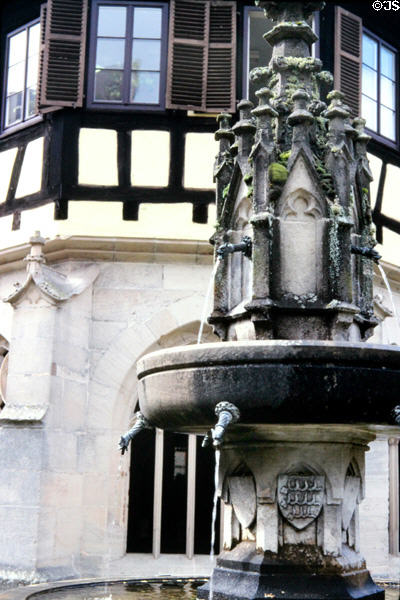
pixel 171 485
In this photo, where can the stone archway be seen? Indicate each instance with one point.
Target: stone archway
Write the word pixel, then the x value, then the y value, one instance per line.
pixel 113 397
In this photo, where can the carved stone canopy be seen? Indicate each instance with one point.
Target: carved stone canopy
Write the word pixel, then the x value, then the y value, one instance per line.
pixel 300 158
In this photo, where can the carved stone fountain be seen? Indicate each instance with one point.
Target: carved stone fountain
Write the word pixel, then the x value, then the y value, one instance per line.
pixel 293 308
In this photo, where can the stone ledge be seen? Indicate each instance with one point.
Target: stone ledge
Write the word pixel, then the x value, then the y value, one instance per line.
pixel 111 249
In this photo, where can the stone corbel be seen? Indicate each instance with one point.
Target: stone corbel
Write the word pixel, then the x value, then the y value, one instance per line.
pixel 44 284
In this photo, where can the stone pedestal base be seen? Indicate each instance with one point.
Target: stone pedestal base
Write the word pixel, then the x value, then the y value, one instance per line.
pixel 245 573
pixel 290 498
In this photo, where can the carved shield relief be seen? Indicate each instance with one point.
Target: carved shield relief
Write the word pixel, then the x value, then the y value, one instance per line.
pixel 300 498
pixel 243 497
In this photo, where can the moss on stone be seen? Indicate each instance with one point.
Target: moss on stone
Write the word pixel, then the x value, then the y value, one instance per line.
pixel 284 157
pixel 277 173
pixel 225 191
pixel 248 178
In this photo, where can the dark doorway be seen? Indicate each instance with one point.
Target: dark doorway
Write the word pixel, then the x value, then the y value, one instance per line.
pixel 174 497
pixel 141 493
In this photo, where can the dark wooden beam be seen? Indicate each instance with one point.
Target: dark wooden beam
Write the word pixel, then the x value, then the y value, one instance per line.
pixel 176 159
pixel 16 172
pixel 124 148
pixel 378 203
pixel 21 204
pixel 130 211
pixel 16 222
pixel 200 213
pixel 70 148
pixel 13 140
pixel 61 210
pixel 138 194
pixel 385 221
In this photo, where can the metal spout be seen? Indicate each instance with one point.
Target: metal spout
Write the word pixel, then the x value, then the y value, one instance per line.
pixel 244 246
pixel 140 424
pixel 227 413
pixel 367 252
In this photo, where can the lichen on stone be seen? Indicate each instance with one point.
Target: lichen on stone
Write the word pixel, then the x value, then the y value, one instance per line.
pixel 225 191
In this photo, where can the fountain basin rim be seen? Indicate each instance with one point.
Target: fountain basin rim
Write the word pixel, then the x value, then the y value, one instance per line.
pixel 270 382
pixel 254 351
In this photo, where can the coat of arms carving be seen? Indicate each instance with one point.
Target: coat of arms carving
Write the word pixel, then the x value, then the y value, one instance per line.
pixel 300 498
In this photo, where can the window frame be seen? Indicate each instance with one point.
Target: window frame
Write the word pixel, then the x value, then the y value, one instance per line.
pixel 93 104
pixel 375 134
pixel 24 122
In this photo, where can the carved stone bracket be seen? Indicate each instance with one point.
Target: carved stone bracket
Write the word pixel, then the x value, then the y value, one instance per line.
pixel 45 284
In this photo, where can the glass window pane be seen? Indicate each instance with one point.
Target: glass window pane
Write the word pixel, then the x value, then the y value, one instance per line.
pixel 110 54
pixel 108 86
pixel 369 82
pixel 32 71
pixel 147 22
pixel 387 63
pixel 17 48
pixel 30 102
pixel 370 52
pixel 259 53
pixel 14 109
pixel 34 39
pixel 16 78
pixel 388 92
pixel 369 112
pixel 146 55
pixel 112 21
pixel 145 87
pixel 388 123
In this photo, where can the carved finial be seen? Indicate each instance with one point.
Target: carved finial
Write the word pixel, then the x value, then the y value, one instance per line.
pixel 359 125
pixel 244 129
pixel 35 255
pixel 336 107
pixel 300 114
pixel 224 131
pixel 264 108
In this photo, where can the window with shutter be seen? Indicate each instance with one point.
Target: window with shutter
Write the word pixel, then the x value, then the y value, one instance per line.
pixel 348 30
pixel 202 55
pixel 62 71
pixel 127 66
pixel 366 71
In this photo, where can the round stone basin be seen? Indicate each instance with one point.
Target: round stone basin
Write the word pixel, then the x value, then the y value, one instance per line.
pixel 274 381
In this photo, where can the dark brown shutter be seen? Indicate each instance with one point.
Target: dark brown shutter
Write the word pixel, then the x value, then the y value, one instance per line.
pixel 43 14
pixel 348 58
pixel 202 55
pixel 64 53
